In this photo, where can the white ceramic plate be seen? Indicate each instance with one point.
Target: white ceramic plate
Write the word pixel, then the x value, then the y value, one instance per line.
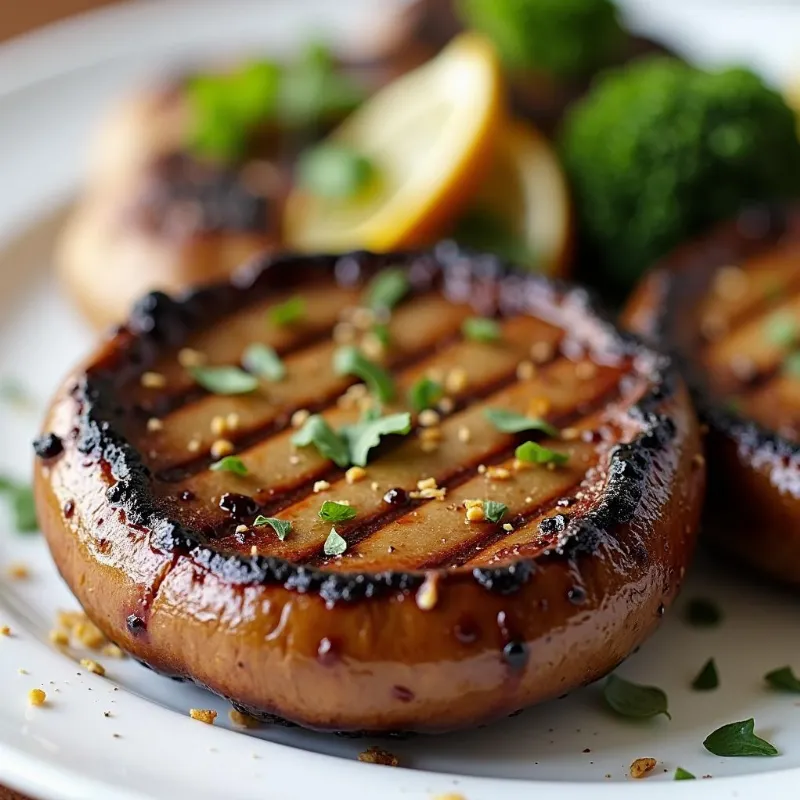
pixel 52 86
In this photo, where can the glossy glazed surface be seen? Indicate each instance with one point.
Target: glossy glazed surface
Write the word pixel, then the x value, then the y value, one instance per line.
pixel 728 305
pixel 427 621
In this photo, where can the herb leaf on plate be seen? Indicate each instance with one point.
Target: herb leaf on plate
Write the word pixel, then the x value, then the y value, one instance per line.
pixel 683 775
pixel 738 739
pixel 232 464
pixel 425 393
pixel 481 329
pixel 336 512
pixel 282 527
pixel 262 360
pixel 634 700
pixel 335 545
pixel 534 453
pixel 507 421
pixel 335 172
pixel 494 511
pixel 707 678
pixel 365 435
pixel 328 442
pixel 23 507
pixel 783 679
pixel 351 361
pixel 387 289
pixel 224 380
pixel 288 313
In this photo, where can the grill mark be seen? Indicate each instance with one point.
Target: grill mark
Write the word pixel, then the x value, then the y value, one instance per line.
pixel 335 475
pixel 569 418
pixel 280 424
pixel 764 306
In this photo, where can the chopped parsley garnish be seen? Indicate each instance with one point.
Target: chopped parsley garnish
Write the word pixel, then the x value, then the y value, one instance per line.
pixel 703 613
pixel 738 739
pixel 367 433
pixel 336 512
pixel 510 422
pixel 335 545
pixel 707 678
pixel 227 107
pixel 425 393
pixel 486 231
pixel 783 679
pixel 791 365
pixel 351 361
pixel 387 289
pixel 262 360
pixel 534 453
pixel 682 774
pixel 329 444
pixel 782 329
pixel 224 380
pixel 282 527
pixel 22 505
pixel 632 700
pixel 230 464
pixel 481 329
pixel 494 511
pixel 335 172
pixel 381 333
pixel 313 89
pixel 289 312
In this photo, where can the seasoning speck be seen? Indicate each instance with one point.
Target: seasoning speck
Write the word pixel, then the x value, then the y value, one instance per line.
pixel 642 767
pixel 355 474
pixel 36 697
pixel 153 380
pixel 321 486
pixel 93 666
pixel 375 755
pixel 206 715
pixel 154 424
pixel 428 593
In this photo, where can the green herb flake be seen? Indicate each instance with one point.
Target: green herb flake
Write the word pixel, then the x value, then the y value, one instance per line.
pixel 329 444
pixel 425 393
pixel 289 312
pixel 682 774
pixel 336 512
pixel 224 380
pixel 702 613
pixel 494 511
pixel 738 739
pixel 791 365
pixel 282 527
pixel 351 361
pixel 365 435
pixel 632 700
pixel 23 507
pixel 313 91
pixel 782 329
pixel 481 329
pixel 232 464
pixel 534 453
pixel 334 545
pixel 381 333
pixel 783 679
pixel 335 172
pixel 707 678
pixel 262 360
pixel 387 289
pixel 510 422
pixel 228 107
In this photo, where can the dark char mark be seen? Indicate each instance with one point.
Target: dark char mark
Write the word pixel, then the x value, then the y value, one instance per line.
pixel 482 280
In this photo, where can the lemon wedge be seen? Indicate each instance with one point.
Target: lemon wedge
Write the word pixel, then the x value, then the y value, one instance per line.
pixel 431 136
pixel 522 210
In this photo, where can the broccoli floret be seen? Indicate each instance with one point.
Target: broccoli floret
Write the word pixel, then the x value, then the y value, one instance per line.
pixel 659 151
pixel 564 38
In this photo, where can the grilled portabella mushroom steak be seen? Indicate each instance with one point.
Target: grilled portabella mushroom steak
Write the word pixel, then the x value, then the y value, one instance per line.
pixel 465 579
pixel 729 305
